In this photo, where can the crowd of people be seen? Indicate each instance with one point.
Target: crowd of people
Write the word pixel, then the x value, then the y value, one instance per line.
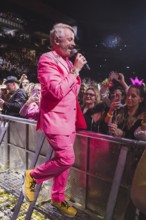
pixel 110 107
pixel 17 62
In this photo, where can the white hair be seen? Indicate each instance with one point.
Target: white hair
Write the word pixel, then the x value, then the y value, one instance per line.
pixel 57 32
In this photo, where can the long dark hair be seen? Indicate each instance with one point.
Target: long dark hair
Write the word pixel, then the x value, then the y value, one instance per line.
pixel 141 92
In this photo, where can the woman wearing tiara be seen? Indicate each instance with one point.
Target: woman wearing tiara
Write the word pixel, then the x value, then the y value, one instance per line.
pixel 124 122
pixel 127 119
pixel 138 189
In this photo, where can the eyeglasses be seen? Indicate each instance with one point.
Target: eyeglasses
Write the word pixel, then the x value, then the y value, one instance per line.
pixel 89 94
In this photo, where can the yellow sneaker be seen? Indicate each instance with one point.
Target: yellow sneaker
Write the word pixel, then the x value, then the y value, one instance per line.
pixel 65 208
pixel 28 186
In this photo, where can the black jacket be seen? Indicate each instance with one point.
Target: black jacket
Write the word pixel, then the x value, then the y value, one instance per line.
pixel 14 104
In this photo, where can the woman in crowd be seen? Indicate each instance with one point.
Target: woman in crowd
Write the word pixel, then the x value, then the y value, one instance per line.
pixel 125 120
pixel 117 99
pixel 30 109
pixel 140 132
pixel 24 82
pixel 81 94
pixel 4 94
pixel 138 189
pixel 122 123
pixel 95 119
pixel 90 98
pixel 115 81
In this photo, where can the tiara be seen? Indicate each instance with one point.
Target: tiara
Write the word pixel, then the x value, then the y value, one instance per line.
pixel 136 81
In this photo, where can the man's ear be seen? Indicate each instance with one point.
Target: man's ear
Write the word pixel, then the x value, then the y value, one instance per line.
pixel 57 41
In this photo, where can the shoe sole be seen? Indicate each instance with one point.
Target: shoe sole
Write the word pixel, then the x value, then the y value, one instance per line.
pixel 64 212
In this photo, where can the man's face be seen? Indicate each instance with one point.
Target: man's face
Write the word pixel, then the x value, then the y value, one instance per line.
pixel 66 44
pixel 11 87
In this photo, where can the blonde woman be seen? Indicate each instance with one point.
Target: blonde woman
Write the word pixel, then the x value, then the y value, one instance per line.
pixel 90 99
pixel 31 107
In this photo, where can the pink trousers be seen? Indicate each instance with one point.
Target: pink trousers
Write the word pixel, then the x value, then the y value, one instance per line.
pixel 59 166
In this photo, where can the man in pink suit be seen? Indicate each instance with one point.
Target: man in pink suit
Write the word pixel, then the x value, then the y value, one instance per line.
pixel 60 85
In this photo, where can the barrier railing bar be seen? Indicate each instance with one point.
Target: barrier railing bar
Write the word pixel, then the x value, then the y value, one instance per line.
pixel 116 183
pixel 89 134
pixel 118 140
pixel 26 147
pixel 86 170
pixel 17 119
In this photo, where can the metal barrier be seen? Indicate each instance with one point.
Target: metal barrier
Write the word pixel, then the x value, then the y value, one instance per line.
pixel 100 179
pixel 3 128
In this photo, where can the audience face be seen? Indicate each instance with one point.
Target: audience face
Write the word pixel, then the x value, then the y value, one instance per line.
pixel 12 87
pixel 25 83
pixel 83 88
pixel 90 96
pixel 133 98
pixel 36 91
pixel 117 95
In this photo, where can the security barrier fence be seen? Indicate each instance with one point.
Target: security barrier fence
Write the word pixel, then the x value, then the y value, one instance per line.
pixel 99 182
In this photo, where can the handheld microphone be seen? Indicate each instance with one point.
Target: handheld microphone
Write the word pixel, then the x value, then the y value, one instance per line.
pixel 74 52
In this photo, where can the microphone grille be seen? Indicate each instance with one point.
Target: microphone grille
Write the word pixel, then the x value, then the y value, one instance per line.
pixel 74 51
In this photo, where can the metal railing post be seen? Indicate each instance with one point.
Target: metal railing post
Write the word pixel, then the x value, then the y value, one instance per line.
pixel 3 130
pixel 116 183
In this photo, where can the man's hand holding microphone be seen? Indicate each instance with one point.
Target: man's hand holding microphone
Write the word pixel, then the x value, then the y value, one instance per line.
pixel 79 62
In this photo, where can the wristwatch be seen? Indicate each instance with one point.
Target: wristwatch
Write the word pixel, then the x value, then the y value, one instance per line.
pixel 75 71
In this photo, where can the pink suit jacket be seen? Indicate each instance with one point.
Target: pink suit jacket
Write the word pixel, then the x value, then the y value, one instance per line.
pixel 59 93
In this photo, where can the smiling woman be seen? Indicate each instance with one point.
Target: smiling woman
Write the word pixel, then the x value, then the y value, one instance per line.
pixel 90 98
pixel 138 189
pixel 127 119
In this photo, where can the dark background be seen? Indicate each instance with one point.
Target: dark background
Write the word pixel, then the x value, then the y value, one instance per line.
pixel 111 34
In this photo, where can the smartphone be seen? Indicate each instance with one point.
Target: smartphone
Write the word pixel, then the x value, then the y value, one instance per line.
pixel 35 92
